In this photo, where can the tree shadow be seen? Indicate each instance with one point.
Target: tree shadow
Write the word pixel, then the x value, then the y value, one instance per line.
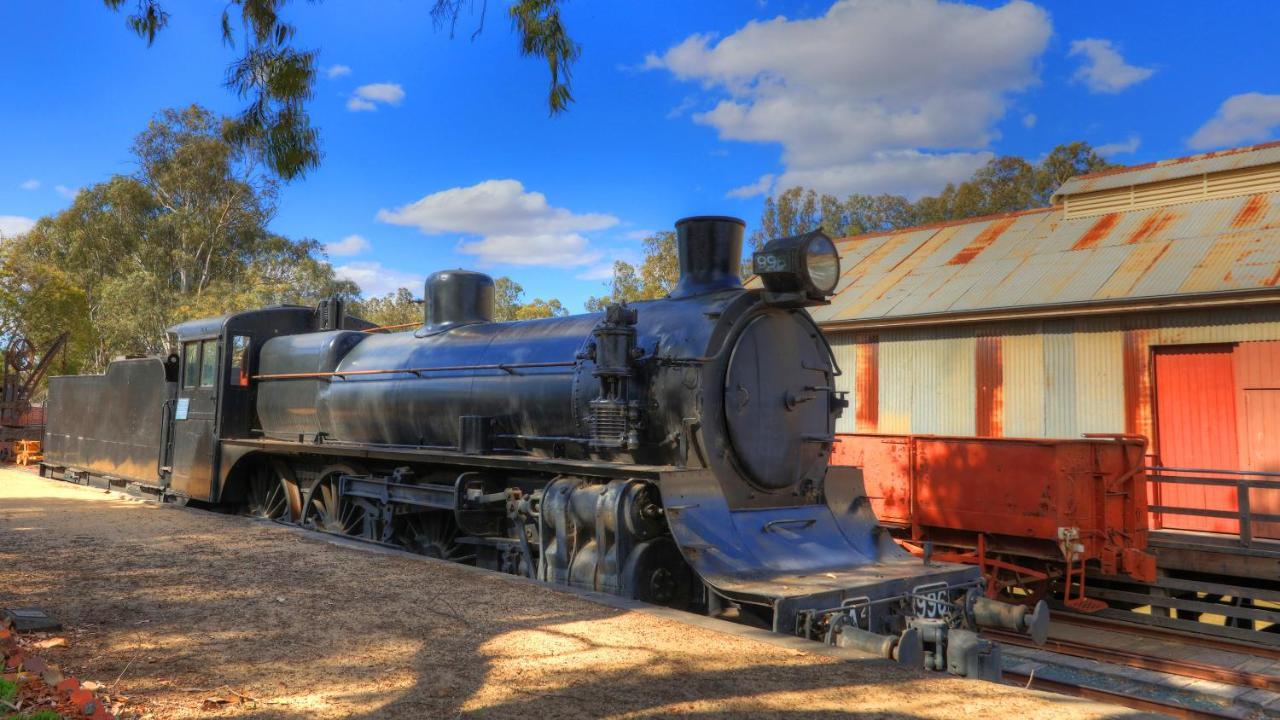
pixel 171 605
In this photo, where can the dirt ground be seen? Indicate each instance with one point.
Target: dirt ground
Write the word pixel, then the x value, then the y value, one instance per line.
pixel 170 606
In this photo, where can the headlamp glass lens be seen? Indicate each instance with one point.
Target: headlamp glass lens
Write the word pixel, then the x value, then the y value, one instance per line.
pixel 824 264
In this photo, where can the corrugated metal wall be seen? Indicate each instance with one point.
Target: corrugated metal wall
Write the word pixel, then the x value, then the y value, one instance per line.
pixel 1057 378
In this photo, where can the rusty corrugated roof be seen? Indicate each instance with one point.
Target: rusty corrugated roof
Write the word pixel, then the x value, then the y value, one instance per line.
pixel 1038 259
pixel 1190 166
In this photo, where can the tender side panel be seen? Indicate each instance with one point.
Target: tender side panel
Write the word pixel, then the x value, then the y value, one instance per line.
pixel 110 424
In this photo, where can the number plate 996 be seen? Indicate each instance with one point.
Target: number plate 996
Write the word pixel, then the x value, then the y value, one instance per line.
pixel 930 601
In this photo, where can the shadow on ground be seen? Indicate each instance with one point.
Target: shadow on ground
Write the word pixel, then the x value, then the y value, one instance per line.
pixel 170 606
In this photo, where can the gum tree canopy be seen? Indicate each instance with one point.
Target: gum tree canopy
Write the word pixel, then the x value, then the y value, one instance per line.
pixel 277 78
pixel 183 236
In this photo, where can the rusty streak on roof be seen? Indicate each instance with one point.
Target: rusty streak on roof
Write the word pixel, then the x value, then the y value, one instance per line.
pixel 1038 259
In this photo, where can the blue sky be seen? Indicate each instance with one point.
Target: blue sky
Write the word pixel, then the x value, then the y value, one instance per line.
pixel 439 152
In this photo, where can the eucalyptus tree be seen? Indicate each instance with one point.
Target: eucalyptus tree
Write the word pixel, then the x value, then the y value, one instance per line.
pixel 277 78
pixel 185 235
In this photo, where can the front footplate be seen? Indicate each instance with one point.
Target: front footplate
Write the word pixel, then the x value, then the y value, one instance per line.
pixel 829 572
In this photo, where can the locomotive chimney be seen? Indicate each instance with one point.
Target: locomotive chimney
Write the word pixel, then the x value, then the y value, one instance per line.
pixel 457 297
pixel 710 251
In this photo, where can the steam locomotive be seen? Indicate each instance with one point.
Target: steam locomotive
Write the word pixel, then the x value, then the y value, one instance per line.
pixel 673 451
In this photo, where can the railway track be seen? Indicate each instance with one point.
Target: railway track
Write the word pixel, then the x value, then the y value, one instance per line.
pixel 1192 665
pixel 1117 698
pixel 1169 666
pixel 1208 642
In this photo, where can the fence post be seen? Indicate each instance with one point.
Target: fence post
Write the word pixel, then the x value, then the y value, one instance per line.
pixel 1242 501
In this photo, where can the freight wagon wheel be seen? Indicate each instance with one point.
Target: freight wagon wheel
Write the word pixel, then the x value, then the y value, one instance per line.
pixel 1016 587
pixel 328 511
pixel 271 496
pixel 434 534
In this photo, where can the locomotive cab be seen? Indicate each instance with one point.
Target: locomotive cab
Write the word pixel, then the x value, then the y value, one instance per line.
pixel 215 397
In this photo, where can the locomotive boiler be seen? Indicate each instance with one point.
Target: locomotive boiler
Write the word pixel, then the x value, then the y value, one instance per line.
pixel 673 451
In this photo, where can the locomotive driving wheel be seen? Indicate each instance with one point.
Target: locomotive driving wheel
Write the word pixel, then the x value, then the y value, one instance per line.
pixel 434 534
pixel 327 510
pixel 273 495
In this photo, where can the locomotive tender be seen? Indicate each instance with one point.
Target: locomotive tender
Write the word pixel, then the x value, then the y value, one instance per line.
pixel 673 451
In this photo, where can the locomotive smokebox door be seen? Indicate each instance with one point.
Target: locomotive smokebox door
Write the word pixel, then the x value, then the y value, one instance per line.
pixel 777 401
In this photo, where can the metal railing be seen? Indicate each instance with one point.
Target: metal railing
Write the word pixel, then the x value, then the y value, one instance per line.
pixel 1244 481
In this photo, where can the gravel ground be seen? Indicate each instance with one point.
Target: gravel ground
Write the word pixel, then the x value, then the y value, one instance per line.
pixel 171 607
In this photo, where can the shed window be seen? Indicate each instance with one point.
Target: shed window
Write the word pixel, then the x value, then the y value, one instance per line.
pixel 208 362
pixel 190 364
pixel 239 375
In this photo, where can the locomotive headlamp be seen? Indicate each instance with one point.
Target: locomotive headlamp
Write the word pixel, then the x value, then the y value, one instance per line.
pixel 807 266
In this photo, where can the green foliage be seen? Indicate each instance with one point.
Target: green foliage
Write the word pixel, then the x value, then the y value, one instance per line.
pixel 184 236
pixel 8 691
pixel 507 294
pixel 1004 184
pixel 509 303
pixel 543 35
pixel 655 278
pixel 277 79
pixel 539 308
pixel 390 310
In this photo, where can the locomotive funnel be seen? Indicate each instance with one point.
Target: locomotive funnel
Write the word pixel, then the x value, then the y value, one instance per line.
pixel 710 250
pixel 457 297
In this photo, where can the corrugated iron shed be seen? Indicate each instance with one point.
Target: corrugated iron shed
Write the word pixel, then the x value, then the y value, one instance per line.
pixel 1190 166
pixel 1038 259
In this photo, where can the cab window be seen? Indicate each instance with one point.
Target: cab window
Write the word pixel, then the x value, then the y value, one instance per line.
pixel 190 364
pixel 208 362
pixel 239 375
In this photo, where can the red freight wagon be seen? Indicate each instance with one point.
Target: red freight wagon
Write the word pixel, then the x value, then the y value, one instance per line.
pixel 1031 512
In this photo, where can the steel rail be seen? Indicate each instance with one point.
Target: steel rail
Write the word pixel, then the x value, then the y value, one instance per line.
pixel 1169 666
pixel 1089 692
pixel 1154 631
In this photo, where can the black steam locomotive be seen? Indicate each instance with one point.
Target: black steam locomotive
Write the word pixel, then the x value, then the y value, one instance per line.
pixel 673 451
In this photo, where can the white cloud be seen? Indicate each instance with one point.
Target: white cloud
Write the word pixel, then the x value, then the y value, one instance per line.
pixel 31 184
pixel 603 271
pixel 66 192
pixel 347 246
pixel 683 108
pixel 869 82
pixel 907 172
pixel 1127 147
pixel 759 187
pixel 1242 119
pixel 369 97
pixel 1029 120
pixel 1104 69
pixel 14 225
pixel 512 226
pixel 337 71
pixel 376 279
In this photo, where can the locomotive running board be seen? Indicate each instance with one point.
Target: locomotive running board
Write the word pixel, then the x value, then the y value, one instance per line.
pixel 808 557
